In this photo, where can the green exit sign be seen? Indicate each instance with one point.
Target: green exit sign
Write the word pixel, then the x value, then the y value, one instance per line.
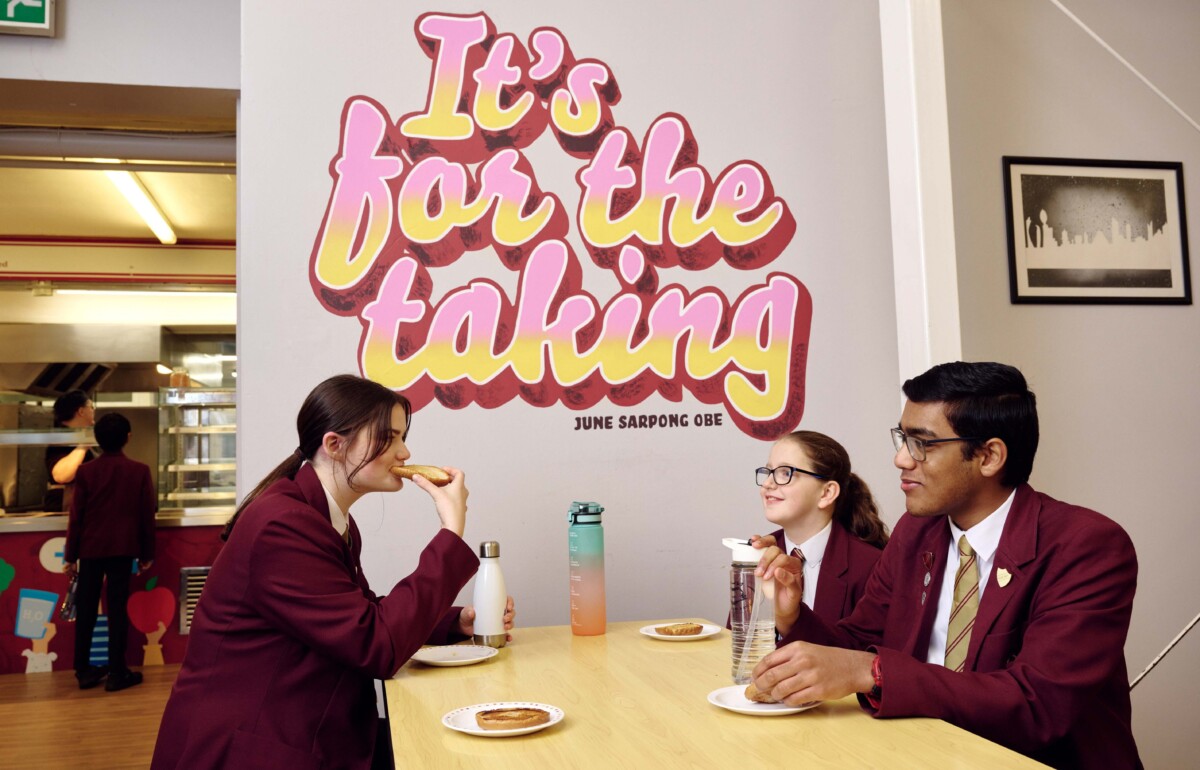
pixel 27 17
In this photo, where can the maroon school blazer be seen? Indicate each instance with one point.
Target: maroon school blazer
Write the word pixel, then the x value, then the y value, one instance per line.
pixel 112 511
pixel 1046 665
pixel 288 639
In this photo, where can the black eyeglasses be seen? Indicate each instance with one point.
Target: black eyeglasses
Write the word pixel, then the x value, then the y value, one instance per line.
pixel 782 474
pixel 916 446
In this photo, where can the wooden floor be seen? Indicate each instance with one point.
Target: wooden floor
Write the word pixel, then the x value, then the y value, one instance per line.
pixel 46 721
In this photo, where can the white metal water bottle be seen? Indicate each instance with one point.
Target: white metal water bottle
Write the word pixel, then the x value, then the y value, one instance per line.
pixel 491 597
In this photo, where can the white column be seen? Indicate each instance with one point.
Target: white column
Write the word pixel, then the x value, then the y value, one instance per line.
pixel 918 145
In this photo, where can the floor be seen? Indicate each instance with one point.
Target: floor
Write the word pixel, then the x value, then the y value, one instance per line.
pixel 46 721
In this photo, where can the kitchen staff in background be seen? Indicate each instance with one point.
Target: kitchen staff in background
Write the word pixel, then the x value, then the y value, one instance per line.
pixel 71 410
pixel 288 638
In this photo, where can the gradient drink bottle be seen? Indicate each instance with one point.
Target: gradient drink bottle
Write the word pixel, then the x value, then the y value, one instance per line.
pixel 585 540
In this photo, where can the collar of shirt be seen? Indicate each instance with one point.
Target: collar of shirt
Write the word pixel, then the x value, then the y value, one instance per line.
pixel 812 548
pixel 984 537
pixel 337 517
pixel 814 553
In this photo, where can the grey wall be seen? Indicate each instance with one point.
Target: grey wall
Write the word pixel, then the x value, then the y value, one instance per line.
pixel 132 42
pixel 1116 384
pixel 796 87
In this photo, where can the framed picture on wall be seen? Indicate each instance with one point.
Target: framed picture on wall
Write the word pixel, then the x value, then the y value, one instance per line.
pixel 1096 231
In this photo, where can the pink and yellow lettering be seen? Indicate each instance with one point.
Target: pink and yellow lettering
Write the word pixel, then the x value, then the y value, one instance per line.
pixel 437 197
pixel 358 219
pixel 581 110
pixel 625 201
pixel 412 197
pixel 569 350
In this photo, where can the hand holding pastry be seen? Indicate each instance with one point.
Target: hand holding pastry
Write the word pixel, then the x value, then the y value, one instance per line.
pixel 449 497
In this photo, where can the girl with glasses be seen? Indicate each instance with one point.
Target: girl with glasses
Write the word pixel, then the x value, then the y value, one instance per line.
pixel 826 513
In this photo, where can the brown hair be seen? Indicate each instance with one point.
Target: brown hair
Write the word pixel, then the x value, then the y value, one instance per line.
pixel 343 404
pixel 854 508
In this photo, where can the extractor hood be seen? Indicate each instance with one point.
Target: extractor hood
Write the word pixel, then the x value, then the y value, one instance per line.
pixel 52 359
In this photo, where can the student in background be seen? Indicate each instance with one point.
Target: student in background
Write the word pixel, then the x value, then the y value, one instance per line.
pixel 111 523
pixel 829 519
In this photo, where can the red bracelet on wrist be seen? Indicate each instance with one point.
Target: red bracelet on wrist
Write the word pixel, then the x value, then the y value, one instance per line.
pixel 876 693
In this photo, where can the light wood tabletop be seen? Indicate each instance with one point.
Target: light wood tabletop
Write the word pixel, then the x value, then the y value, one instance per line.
pixel 634 701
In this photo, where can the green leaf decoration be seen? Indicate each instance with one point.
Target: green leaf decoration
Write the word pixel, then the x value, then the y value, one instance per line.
pixel 7 572
pixel 151 583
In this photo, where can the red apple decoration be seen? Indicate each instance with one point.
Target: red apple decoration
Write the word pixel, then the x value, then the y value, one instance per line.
pixel 150 607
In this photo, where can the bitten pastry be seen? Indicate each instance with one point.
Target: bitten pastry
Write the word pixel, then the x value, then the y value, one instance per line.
pixel 511 718
pixel 679 629
pixel 435 474
pixel 756 695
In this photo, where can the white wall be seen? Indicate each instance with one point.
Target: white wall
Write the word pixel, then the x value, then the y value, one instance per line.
pixel 796 87
pixel 1116 384
pixel 132 42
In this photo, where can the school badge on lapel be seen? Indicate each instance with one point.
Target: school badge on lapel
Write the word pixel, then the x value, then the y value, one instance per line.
pixel 927 560
pixel 1003 576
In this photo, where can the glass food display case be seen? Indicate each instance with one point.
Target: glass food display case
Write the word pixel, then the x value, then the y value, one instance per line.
pixel 197 443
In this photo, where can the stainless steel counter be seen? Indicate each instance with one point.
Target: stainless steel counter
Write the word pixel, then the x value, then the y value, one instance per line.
pixel 57 522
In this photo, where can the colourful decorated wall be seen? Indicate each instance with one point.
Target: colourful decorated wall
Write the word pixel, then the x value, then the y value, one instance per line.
pixel 608 252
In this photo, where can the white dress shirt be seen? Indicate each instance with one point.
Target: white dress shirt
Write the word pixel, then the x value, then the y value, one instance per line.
pixel 339 518
pixel 814 553
pixel 984 538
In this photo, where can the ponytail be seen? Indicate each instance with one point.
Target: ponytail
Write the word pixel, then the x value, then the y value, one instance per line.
pixel 286 469
pixel 855 510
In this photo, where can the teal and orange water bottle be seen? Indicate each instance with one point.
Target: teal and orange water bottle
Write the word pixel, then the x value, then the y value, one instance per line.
pixel 585 540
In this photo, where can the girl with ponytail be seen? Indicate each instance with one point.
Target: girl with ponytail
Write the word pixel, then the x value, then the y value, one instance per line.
pixel 288 637
pixel 827 514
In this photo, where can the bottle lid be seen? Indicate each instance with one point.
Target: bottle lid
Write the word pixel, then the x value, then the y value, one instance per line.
pixel 489 549
pixel 585 513
pixel 743 552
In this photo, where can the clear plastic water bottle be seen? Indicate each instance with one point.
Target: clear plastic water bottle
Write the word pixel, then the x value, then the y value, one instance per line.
pixel 585 541
pixel 491 597
pixel 751 622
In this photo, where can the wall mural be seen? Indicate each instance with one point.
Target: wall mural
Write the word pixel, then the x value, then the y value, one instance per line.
pixel 415 194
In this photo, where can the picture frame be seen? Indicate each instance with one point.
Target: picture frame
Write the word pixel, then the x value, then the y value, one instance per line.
pixel 1096 231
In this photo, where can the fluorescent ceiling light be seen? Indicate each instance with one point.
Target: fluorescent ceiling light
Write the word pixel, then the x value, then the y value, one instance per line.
pixel 142 293
pixel 137 195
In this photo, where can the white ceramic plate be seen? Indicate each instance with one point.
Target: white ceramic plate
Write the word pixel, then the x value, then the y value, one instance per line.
pixel 454 655
pixel 463 719
pixel 708 630
pixel 734 698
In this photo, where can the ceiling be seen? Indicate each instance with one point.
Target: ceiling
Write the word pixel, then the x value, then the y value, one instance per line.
pixel 49 132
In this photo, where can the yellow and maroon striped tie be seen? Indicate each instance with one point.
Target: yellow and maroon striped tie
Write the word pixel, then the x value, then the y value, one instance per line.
pixel 966 604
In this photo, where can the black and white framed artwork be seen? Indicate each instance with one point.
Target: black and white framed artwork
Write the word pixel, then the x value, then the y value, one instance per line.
pixel 1096 231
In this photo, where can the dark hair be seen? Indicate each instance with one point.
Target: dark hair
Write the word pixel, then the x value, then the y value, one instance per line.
pixel 854 508
pixel 68 405
pixel 986 400
pixel 343 404
pixel 112 432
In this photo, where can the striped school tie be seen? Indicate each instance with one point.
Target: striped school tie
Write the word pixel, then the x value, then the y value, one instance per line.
pixel 800 555
pixel 966 604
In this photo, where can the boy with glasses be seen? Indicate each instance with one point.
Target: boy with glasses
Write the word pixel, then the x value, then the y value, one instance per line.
pixel 994 607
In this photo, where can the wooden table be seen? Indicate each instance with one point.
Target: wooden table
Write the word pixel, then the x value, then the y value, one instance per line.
pixel 632 701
